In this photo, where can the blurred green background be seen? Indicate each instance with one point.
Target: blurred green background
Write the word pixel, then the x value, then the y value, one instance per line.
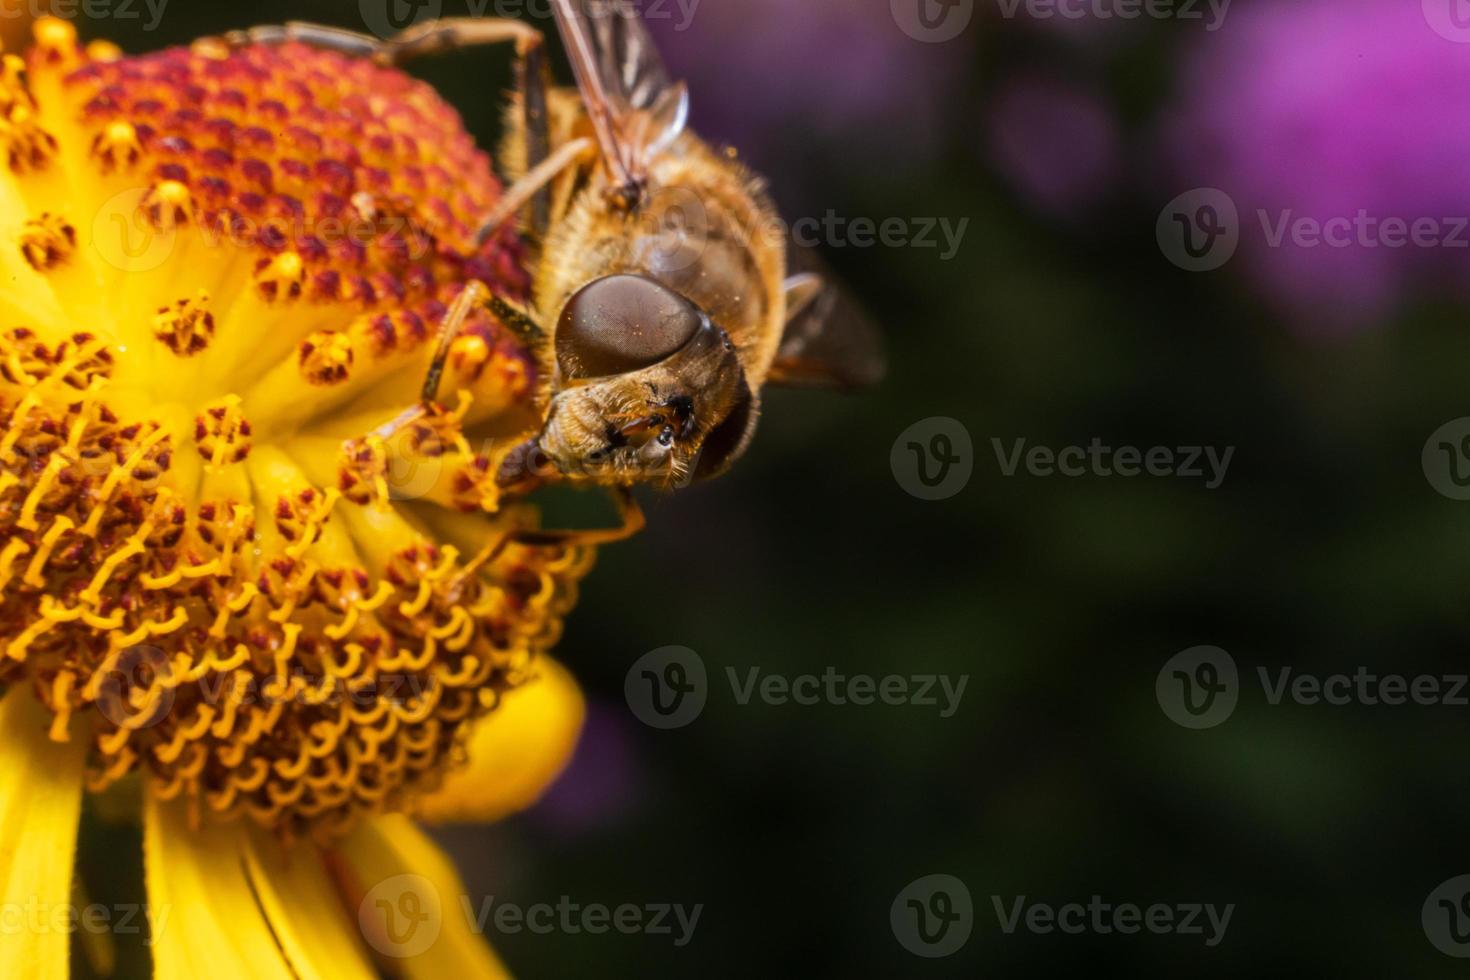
pixel 1060 320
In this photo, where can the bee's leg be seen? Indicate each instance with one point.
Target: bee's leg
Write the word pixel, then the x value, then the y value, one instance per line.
pixel 457 33
pixel 518 322
pixel 472 295
pixel 432 37
pixel 535 188
pixel 350 43
pixel 631 522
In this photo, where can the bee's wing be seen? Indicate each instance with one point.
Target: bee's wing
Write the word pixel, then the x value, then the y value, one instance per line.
pixel 830 341
pixel 635 107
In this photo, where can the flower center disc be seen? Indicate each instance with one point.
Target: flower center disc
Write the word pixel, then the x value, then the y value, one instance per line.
pixel 216 563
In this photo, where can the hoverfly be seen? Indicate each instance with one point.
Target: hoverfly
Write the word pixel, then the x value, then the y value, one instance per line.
pixel 661 303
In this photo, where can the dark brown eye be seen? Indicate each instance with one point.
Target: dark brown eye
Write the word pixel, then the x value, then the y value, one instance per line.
pixel 623 323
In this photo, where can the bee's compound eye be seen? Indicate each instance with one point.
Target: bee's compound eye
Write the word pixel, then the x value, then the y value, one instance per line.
pixel 623 323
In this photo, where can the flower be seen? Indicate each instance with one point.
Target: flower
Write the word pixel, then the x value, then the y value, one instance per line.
pixel 1319 112
pixel 227 576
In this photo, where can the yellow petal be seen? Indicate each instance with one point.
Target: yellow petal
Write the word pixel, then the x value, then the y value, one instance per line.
pixel 411 904
pixel 40 803
pixel 227 901
pixel 515 752
pixel 204 917
pixel 305 911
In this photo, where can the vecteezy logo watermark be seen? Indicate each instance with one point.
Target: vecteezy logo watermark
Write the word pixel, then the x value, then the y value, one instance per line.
pixel 932 21
pixel 667 688
pixel 1446 917
pixel 1446 459
pixel 1211 11
pixel 90 9
pixel 401 916
pixel 1199 230
pixel 133 690
pixel 1207 463
pixel 933 916
pixel 933 459
pixel 1105 918
pixel 1450 19
pixel 126 238
pixel 1198 688
pixel 571 918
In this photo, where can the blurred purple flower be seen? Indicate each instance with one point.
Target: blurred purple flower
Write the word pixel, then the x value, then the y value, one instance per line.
pixel 1056 143
pixel 830 69
pixel 601 783
pixel 1325 109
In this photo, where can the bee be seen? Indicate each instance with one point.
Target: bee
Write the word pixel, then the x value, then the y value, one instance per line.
pixel 664 299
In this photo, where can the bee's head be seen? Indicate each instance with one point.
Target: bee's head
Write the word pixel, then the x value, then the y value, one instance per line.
pixel 650 390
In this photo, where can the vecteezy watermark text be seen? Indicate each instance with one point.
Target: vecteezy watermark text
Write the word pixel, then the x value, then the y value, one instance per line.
pixel 403 917
pixel 831 687
pixel 934 915
pixel 90 9
pixel 1212 12
pixel 569 918
pixel 934 460
pixel 833 230
pixel 385 18
pixel 1104 918
pixel 36 917
pixel 1207 463
pixel 669 687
